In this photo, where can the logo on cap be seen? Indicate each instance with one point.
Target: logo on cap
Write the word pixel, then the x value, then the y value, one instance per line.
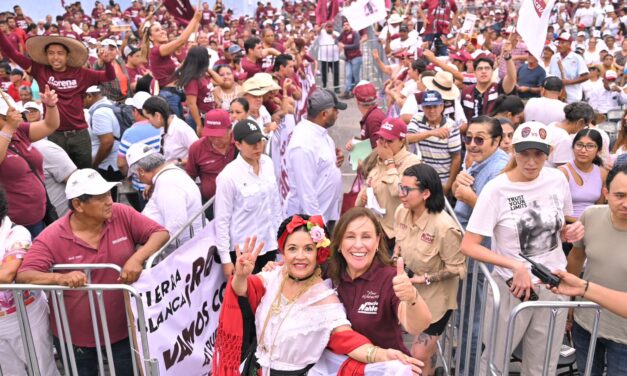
pixel 525 132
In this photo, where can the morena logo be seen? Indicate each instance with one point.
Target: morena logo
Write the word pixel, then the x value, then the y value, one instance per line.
pixel 539 6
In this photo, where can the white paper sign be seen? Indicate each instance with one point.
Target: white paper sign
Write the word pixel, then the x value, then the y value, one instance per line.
pixel 363 13
pixel 469 24
pixel 182 298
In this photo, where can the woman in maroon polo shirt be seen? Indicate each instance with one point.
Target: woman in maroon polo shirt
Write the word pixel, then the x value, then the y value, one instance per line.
pixel 25 189
pixel 160 59
pixel 194 77
pixel 367 284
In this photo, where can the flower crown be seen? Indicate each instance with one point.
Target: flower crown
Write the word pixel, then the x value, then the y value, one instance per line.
pixel 315 227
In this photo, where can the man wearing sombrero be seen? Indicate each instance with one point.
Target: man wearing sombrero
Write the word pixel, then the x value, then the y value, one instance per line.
pixel 58 62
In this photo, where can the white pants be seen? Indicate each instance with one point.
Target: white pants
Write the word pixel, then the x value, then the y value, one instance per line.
pixel 12 356
pixel 531 329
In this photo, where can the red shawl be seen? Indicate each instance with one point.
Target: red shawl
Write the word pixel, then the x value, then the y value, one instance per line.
pixel 229 336
pixel 343 343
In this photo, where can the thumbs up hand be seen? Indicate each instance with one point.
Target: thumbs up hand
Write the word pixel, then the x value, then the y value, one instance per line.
pixel 401 284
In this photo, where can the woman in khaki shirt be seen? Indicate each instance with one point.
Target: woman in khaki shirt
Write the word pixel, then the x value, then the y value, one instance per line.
pixel 429 240
pixel 393 159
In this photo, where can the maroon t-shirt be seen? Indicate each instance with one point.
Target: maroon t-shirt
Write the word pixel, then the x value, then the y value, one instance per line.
pixel 204 161
pixel 250 68
pixel 202 89
pixel 162 67
pixel 25 193
pixel 370 125
pixel 70 86
pixel 372 307
pixel 135 74
pixel 207 17
pixel 57 245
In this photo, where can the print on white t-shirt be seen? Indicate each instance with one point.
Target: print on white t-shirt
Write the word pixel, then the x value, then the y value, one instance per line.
pixel 537 223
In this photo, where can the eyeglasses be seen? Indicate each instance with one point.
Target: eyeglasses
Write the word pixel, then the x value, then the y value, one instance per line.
pixel 588 147
pixel 404 190
pixel 478 140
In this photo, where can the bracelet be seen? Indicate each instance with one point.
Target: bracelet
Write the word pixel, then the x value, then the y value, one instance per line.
pixel 6 136
pixel 388 162
pixel 586 288
pixel 507 58
pixel 427 279
pixel 370 354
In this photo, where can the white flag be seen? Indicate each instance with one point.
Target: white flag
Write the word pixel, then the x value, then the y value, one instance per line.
pixel 363 13
pixel 533 22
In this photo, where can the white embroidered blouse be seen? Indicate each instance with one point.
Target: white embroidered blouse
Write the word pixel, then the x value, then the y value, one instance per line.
pixel 299 333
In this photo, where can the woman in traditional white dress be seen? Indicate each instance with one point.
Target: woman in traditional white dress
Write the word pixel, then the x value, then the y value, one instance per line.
pixel 297 314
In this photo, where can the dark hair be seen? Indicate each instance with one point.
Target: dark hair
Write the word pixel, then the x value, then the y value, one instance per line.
pixel 67 50
pixel 508 103
pixel 553 84
pixel 475 63
pixel 286 221
pixel 595 136
pixel 496 131
pixel 143 83
pixel 243 101
pixel 337 263
pixel 428 178
pixel 194 66
pixel 5 67
pixel 617 169
pixel 159 105
pixel 251 43
pixel 281 61
pixel 579 110
pixel 217 68
pixel 4 204
pixel 81 198
pixel 419 65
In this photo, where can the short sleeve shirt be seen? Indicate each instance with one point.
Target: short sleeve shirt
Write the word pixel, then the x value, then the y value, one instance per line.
pixel 206 163
pixel 57 244
pixel 202 89
pixel 372 306
pixel 161 66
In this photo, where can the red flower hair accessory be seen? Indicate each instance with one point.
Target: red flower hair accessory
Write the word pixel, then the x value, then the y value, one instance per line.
pixel 315 227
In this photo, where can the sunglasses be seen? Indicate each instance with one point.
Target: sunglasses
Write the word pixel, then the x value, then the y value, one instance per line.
pixel 404 190
pixel 478 140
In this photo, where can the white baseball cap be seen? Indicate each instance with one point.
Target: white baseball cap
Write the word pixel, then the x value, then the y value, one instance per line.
pixel 137 152
pixel 532 135
pixel 138 100
pixel 92 89
pixel 86 181
pixel 34 105
pixel 108 42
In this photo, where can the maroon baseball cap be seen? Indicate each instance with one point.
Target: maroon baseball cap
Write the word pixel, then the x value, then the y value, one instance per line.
pixel 392 129
pixel 365 92
pixel 217 123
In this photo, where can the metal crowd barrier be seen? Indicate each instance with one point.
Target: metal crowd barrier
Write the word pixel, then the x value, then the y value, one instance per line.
pixel 555 306
pixel 61 319
pixel 175 240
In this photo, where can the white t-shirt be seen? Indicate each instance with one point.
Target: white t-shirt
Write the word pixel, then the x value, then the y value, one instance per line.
pixel 177 140
pixel 562 147
pixel 544 110
pixel 57 167
pixel 524 217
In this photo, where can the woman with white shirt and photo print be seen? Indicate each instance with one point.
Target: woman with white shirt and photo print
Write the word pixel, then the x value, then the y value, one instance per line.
pixel 523 211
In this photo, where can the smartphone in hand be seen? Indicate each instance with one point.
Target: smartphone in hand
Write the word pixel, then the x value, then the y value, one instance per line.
pixel 532 295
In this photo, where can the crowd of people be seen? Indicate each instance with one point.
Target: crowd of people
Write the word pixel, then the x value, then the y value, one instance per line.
pixel 104 107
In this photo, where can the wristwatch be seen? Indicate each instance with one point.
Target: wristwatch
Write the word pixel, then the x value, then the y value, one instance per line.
pixel 507 57
pixel 388 162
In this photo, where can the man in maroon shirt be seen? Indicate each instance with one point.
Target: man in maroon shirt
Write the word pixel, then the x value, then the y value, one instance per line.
pixel 57 62
pixel 284 68
pixel 251 62
pixel 12 38
pixel 372 116
pixel 95 230
pixel 209 155
pixel 22 21
pixel 271 48
pixel 349 42
pixel 441 14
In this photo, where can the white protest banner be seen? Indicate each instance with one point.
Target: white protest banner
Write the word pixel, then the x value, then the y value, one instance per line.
pixel 284 134
pixel 363 13
pixel 469 24
pixel 533 22
pixel 182 298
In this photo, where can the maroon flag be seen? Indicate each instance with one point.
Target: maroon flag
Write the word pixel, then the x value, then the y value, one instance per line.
pixel 326 10
pixel 182 10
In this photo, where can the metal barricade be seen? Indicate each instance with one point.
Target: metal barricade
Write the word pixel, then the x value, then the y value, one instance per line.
pixel 555 306
pixel 450 341
pixel 175 240
pixel 62 323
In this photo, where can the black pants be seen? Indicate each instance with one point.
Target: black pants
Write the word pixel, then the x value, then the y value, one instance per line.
pixel 335 67
pixel 87 358
pixel 76 144
pixel 111 175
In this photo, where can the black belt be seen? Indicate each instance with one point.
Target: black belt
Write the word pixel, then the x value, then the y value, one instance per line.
pixel 171 89
pixel 300 372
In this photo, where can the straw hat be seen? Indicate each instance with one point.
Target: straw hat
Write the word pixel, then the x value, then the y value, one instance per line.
pixel 36 45
pixel 443 83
